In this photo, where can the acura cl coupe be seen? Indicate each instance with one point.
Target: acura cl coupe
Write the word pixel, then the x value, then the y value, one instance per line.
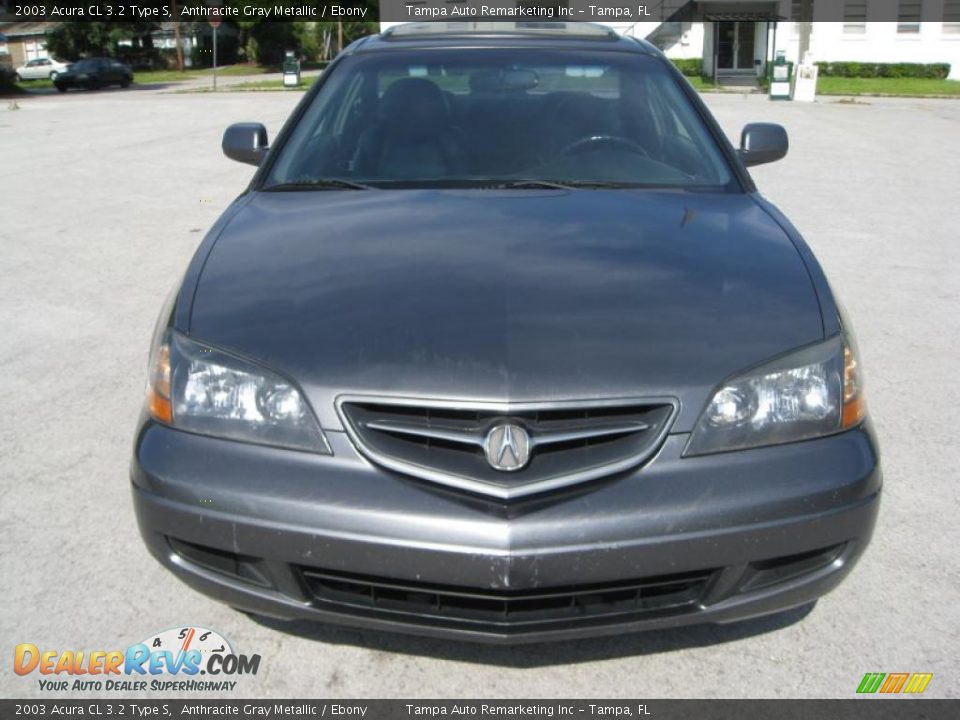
pixel 501 343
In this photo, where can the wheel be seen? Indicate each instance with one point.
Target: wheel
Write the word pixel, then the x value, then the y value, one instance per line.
pixel 61 88
pixel 16 76
pixel 125 83
pixel 53 74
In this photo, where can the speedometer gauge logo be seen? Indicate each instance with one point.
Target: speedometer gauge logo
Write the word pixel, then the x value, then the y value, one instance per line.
pixel 184 639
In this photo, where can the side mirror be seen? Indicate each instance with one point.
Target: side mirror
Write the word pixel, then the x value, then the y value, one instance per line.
pixel 763 143
pixel 245 142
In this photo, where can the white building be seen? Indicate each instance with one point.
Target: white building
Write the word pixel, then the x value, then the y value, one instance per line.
pixel 739 37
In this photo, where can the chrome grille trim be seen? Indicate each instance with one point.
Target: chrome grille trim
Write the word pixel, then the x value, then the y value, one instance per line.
pixel 470 437
pixel 475 435
pixel 467 437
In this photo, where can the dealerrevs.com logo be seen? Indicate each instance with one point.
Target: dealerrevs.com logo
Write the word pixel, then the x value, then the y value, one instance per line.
pixel 179 659
pixel 894 683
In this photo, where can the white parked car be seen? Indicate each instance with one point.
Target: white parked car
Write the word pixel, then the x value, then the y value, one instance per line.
pixel 40 69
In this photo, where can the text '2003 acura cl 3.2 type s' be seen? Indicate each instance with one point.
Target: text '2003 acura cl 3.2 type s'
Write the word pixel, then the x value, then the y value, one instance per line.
pixel 501 343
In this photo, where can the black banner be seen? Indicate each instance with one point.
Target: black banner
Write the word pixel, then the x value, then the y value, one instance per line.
pixel 854 709
pixel 603 11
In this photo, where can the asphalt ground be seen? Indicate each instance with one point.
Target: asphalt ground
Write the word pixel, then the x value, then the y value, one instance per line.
pixel 103 199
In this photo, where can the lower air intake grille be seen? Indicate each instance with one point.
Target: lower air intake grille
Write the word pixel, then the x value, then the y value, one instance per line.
pixel 499 610
pixel 459 444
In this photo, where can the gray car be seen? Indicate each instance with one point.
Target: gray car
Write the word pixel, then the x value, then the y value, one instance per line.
pixel 501 343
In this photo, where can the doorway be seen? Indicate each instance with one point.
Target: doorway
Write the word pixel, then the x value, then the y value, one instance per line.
pixel 735 46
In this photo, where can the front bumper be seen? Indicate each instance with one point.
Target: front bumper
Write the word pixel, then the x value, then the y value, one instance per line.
pixel 678 541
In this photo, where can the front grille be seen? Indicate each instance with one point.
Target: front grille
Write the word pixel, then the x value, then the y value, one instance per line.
pixel 501 610
pixel 568 443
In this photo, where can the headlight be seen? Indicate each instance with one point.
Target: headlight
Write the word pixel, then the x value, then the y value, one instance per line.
pixel 814 392
pixel 199 389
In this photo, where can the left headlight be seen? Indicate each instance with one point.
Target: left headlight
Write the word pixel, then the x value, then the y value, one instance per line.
pixel 199 389
pixel 811 393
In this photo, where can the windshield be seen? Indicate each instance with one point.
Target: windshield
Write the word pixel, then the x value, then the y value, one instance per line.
pixel 492 118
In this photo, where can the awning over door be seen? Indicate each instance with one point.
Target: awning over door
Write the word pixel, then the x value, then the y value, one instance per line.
pixel 743 17
pixel 739 10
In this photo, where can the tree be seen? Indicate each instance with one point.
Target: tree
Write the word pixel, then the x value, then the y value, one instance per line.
pixel 72 40
pixel 337 35
pixel 805 27
pixel 176 36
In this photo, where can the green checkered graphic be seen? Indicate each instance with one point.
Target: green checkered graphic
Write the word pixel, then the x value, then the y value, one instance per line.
pixel 871 682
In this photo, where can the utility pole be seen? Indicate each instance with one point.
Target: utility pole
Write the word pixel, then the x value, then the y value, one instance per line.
pixel 215 26
pixel 215 23
pixel 339 36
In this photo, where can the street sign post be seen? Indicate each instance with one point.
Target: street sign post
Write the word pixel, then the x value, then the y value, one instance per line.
pixel 215 24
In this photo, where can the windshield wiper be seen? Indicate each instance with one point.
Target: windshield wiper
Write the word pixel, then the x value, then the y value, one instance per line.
pixel 596 184
pixel 319 184
pixel 533 184
pixel 558 184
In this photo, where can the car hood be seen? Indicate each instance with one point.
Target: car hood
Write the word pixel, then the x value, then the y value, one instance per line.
pixel 511 296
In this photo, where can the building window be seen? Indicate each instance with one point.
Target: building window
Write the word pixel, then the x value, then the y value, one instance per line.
pixel 908 17
pixel 951 17
pixel 855 17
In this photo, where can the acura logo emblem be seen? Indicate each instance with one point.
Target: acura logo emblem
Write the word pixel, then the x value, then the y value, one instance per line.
pixel 507 447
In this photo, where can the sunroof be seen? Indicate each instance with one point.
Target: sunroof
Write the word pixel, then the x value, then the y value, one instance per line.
pixel 528 28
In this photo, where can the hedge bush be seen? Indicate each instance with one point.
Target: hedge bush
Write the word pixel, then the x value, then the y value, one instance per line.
pixel 691 67
pixel 933 71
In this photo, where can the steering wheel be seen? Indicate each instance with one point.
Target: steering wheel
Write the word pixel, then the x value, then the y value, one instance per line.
pixel 578 146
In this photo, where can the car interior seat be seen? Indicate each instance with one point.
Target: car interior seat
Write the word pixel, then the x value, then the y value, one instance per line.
pixel 413 136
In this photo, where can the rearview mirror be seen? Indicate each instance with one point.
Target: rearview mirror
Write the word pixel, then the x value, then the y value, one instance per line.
pixel 245 142
pixel 763 143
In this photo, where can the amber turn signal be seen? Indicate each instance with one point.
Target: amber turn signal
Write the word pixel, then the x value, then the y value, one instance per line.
pixel 158 386
pixel 854 405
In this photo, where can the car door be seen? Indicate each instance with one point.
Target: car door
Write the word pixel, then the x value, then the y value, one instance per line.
pixel 103 72
pixel 111 73
pixel 31 70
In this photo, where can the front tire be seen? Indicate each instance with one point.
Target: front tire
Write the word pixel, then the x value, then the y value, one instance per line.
pixel 53 75
pixel 61 88
pixel 16 76
pixel 125 83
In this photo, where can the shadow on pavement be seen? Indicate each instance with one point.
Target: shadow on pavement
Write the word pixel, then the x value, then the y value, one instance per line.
pixel 542 654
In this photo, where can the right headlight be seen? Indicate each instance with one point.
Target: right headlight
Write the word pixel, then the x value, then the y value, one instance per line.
pixel 203 390
pixel 810 393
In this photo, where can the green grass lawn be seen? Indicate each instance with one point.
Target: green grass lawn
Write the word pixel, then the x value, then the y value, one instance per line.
pixel 35 84
pixel 234 70
pixel 163 76
pixel 256 85
pixel 905 87
pixel 146 77
pixel 259 85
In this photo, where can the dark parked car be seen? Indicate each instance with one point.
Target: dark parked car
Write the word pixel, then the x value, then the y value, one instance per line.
pixel 94 73
pixel 502 343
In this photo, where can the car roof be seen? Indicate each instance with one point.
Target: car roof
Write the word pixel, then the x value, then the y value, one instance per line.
pixel 436 34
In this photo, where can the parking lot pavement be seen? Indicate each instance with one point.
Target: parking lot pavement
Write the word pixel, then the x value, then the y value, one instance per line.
pixel 104 197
